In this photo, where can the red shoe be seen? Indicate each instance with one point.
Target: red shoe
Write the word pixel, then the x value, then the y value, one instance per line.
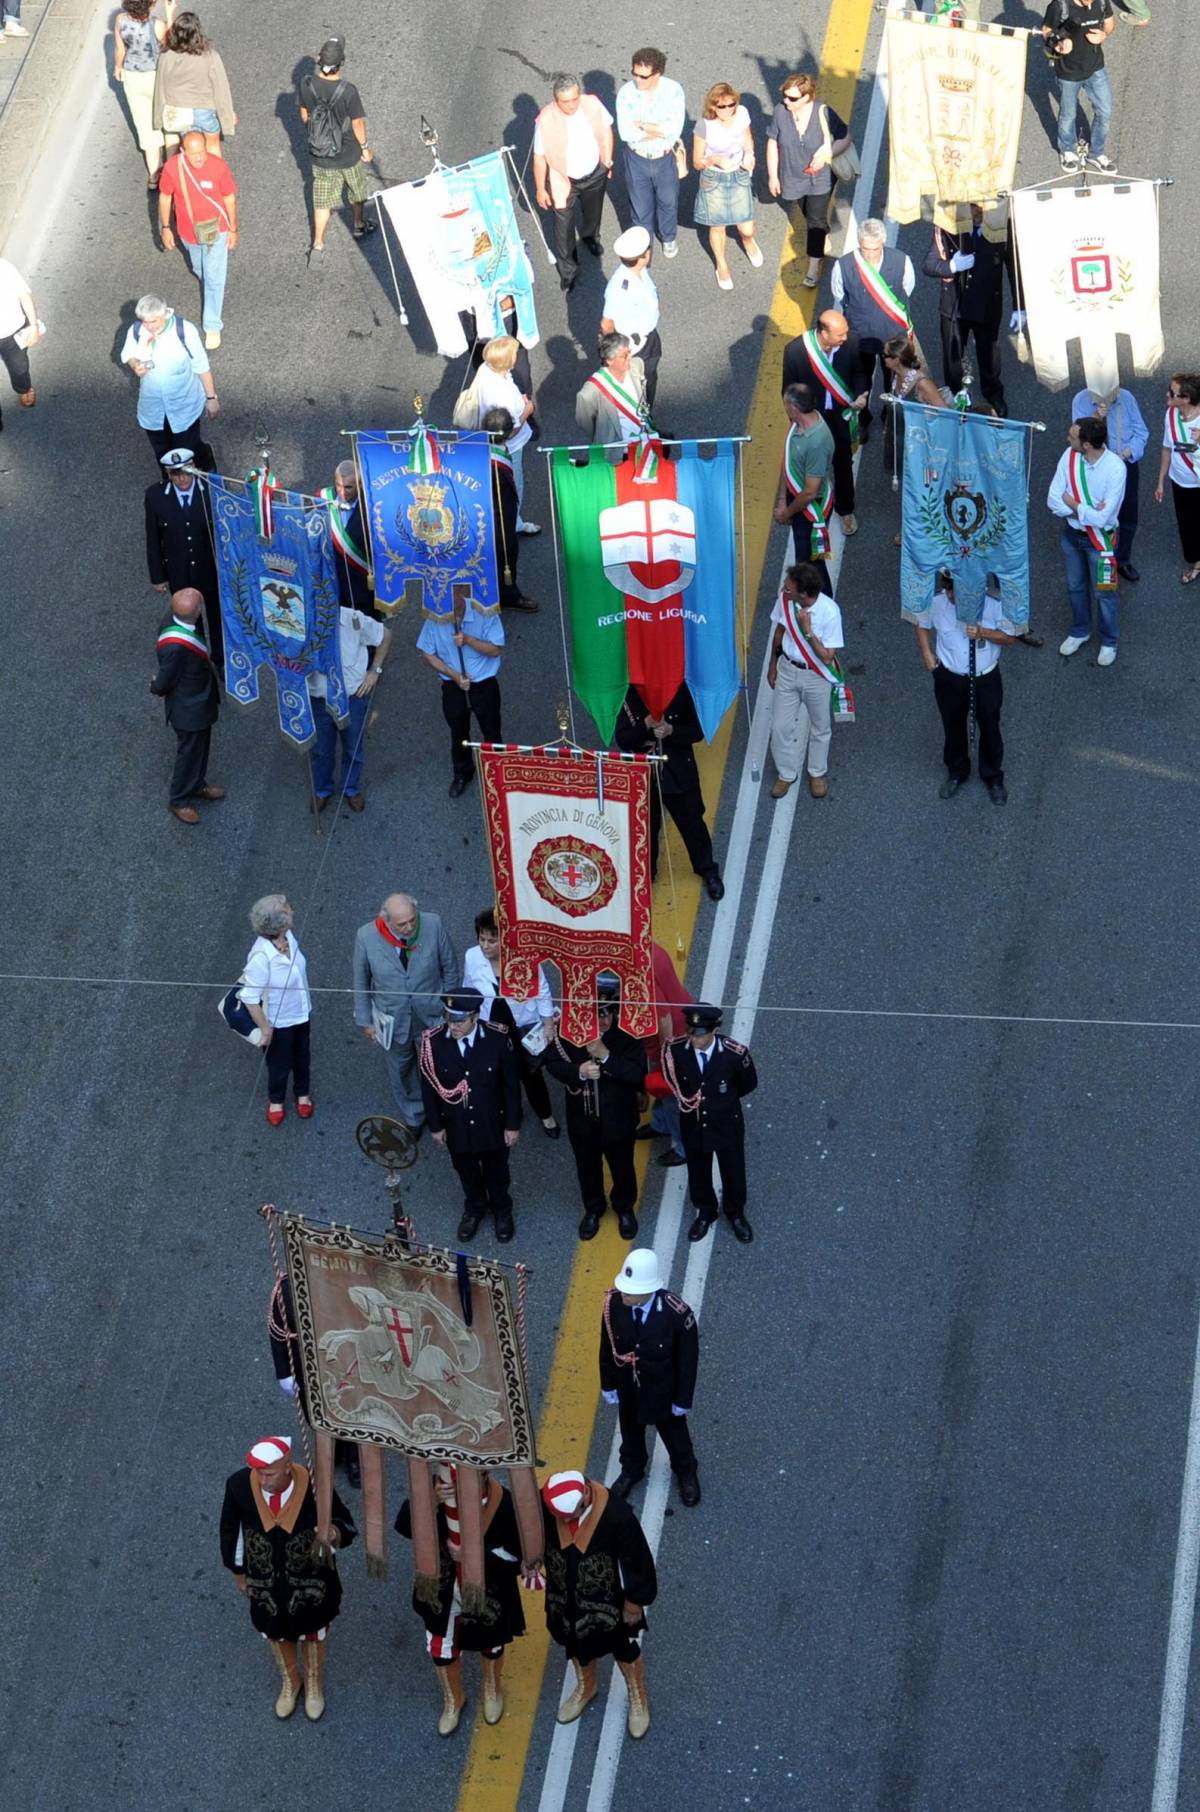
pixel 276 1112
pixel 304 1106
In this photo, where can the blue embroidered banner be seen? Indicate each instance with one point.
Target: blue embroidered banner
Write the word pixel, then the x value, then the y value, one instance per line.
pixel 429 509
pixel 279 602
pixel 965 509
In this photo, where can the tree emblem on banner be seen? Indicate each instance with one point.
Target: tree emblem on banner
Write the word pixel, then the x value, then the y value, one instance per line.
pixel 1088 282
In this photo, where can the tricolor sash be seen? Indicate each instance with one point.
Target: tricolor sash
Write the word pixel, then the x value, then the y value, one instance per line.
pixel 883 295
pixel 624 401
pixel 343 540
pixel 819 509
pixel 1177 428
pixel 262 482
pixel 843 698
pixel 1103 540
pixel 822 364
pixel 504 461
pixel 182 635
pixel 645 469
pixel 423 453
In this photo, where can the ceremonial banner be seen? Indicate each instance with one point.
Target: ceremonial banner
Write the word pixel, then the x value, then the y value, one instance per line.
pixel 1088 261
pixel 429 511
pixel 651 574
pixel 955 95
pixel 964 509
pixel 458 232
pixel 279 598
pixel 569 835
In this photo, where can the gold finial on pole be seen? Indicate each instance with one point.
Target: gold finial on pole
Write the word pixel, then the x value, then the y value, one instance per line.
pixel 564 719
pixel 418 405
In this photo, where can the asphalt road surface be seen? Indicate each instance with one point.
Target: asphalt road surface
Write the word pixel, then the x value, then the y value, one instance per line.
pixel 944 1397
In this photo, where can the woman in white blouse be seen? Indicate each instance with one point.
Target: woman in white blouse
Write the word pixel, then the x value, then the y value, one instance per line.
pixel 275 993
pixel 723 152
pixel 523 1018
pixel 495 388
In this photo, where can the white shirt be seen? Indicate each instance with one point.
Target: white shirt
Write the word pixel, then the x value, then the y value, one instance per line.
pixel 357 635
pixel 478 973
pixel 12 287
pixel 662 106
pixel 826 618
pixel 171 390
pixel 952 642
pixel 726 138
pixel 583 153
pixel 1106 486
pixel 837 288
pixel 498 390
pixel 1179 473
pixel 631 304
pixel 277 983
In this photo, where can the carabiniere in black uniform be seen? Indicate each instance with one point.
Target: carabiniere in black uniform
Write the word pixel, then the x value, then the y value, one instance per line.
pixel 603 1113
pixel 649 1355
pixel 472 1096
pixel 709 1076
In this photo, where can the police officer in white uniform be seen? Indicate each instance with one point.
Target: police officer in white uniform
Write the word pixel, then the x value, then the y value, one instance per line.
pixel 631 304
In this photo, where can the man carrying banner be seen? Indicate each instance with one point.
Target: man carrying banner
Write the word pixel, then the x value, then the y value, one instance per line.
pixel 603 1080
pixel 572 166
pixel 1086 492
pixel 363 644
pixel 631 304
pixel 708 1076
pixel 871 286
pixel 826 357
pixel 1127 437
pixel 673 735
pixel 350 539
pixel 805 495
pixel 186 683
pixel 403 959
pixel 472 1097
pixel 806 680
pixel 497 424
pixel 611 407
pixel 462 648
pixel 965 664
pixel 970 269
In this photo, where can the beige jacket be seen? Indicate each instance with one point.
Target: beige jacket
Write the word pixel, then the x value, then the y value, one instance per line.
pixel 184 81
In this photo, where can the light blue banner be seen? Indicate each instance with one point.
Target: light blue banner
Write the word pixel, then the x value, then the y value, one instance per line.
pixel 706 484
pixel 964 509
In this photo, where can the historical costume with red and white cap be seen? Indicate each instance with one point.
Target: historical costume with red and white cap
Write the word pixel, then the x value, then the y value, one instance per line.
pixel 649 1355
pixel 599 1579
pixel 484 1628
pixel 269 1543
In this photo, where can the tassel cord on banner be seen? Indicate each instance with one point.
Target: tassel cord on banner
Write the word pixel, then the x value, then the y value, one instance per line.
pixel 381 216
pixel 672 898
pixel 971 691
pixel 277 1326
pixel 562 611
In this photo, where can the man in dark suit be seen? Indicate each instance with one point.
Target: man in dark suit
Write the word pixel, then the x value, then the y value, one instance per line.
pixel 674 735
pixel 604 1080
pixel 186 683
pixel 827 358
pixel 709 1076
pixel 350 540
pixel 506 511
pixel 472 1095
pixel 179 542
pixel 970 271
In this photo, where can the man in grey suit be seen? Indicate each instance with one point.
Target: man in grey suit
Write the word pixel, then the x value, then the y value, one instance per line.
pixel 611 406
pixel 403 964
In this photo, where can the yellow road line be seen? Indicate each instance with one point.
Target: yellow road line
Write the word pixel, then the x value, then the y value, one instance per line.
pixel 495 1765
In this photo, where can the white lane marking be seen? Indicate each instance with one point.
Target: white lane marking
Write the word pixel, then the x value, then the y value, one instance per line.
pixel 51 184
pixel 1183 1611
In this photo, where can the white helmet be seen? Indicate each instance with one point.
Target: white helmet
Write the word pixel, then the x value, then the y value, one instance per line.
pixel 639 1276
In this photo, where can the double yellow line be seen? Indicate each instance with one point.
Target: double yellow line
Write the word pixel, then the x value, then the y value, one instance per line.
pixel 495 1765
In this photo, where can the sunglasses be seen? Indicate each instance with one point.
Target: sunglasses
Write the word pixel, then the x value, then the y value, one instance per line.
pixel 725 106
pixel 794 100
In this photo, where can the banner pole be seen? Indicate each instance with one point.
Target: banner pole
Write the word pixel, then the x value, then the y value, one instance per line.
pixel 623 446
pixel 380 214
pixel 506 151
pixel 562 615
pixel 741 559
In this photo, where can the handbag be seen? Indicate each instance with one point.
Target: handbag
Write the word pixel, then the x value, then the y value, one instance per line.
pixel 237 1016
pixel 679 153
pixel 178 120
pixel 465 414
pixel 846 166
pixel 208 230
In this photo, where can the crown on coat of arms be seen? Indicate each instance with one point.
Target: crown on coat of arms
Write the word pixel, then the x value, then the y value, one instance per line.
pixel 956 84
pixel 429 493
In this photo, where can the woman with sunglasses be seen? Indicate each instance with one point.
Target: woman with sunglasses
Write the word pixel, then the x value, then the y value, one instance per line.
pixel 1181 458
pixel 723 152
pixel 803 138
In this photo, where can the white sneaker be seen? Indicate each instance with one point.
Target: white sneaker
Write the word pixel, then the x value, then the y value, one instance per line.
pixel 14 29
pixel 211 341
pixel 529 528
pixel 1106 657
pixel 670 248
pixel 1072 645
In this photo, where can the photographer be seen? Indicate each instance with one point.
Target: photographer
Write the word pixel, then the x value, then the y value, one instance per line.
pixel 1075 31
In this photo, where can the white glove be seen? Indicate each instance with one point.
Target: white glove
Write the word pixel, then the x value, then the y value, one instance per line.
pixel 1017 320
pixel 962 261
pixel 676 1411
pixel 610 1397
pixel 288 1386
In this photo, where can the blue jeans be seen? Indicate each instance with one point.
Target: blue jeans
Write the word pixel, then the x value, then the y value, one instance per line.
pixel 1098 89
pixel 652 180
pixel 324 750
pixel 664 1118
pixel 204 119
pixel 1080 557
pixel 210 263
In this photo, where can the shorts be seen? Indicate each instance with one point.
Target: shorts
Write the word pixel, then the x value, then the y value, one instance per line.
pixel 204 119
pixel 329 184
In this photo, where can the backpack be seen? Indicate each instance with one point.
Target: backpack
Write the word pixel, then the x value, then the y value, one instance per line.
pixel 326 128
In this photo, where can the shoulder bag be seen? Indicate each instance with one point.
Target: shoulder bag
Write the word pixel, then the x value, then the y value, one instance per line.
pixel 846 166
pixel 236 1015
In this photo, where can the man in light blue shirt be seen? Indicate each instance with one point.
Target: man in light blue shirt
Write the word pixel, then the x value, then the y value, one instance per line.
pixel 650 116
pixel 176 392
pixel 463 649
pixel 1127 437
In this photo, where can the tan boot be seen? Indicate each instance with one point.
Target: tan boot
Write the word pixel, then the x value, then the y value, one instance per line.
pixel 314 1696
pixel 289 1678
pixel 493 1694
pixel 634 1676
pixel 585 1691
pixel 453 1698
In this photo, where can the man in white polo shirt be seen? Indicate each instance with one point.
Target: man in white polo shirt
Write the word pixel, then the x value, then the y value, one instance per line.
pixel 803 675
pixel 949 659
pixel 364 642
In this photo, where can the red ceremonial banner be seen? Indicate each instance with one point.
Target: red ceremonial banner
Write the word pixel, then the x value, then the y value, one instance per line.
pixel 569 833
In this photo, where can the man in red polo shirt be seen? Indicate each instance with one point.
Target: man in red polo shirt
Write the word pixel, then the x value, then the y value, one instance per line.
pixel 670 997
pixel 202 188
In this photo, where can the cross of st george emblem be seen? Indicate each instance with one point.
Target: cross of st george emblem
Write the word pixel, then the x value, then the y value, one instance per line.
pixel 649 549
pixel 578 877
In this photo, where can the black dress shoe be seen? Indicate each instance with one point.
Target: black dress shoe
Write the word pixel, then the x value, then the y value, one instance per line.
pixel 672 1157
pixel 352 1470
pixel 468 1227
pixel 1032 641
pixel 699 1228
pixel 645 1132
pixel 997 792
pixel 1129 571
pixel 949 787
pixel 589 1226
pixel 689 1489
pixel 627 1224
pixel 566 285
pixel 504 1228
pixel 714 885
pixel 594 247
pixel 624 1483
pixel 864 432
pixel 521 602
pixel 742 1230
pixel 553 1131
pixel 459 785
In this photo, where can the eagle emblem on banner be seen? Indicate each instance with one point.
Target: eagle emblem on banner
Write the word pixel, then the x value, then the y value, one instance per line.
pixel 575 876
pixel 649 549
